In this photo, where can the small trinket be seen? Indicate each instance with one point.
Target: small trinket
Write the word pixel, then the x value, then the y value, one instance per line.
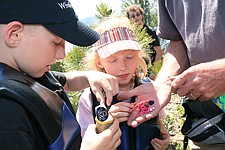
pixel 144 106
pixel 103 119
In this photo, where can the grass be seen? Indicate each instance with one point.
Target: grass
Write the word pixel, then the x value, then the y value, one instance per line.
pixel 174 121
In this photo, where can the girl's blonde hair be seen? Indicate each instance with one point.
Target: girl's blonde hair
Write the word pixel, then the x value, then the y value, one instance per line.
pixel 92 57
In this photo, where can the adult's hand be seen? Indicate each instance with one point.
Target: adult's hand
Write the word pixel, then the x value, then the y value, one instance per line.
pixel 148 91
pixel 144 90
pixel 203 81
pixel 109 139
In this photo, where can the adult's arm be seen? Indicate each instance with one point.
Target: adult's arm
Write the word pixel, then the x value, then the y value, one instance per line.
pixel 175 61
pixel 159 53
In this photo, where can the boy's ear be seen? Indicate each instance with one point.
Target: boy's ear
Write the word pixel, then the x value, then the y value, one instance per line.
pixel 12 33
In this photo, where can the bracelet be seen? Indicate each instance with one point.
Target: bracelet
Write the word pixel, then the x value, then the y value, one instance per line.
pixel 144 106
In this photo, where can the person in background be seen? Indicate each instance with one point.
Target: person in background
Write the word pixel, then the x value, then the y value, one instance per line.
pixel 35 112
pixel 136 15
pixel 193 64
pixel 118 53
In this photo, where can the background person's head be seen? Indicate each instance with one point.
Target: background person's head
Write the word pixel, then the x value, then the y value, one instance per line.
pixel 135 14
pixel 33 33
pixel 117 50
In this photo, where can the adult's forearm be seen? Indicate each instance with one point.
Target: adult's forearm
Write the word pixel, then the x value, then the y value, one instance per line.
pixel 159 53
pixel 175 61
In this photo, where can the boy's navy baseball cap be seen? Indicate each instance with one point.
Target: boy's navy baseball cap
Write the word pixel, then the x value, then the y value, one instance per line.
pixel 58 16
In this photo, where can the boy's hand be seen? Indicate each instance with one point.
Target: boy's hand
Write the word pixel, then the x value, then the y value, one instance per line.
pixel 109 139
pixel 104 86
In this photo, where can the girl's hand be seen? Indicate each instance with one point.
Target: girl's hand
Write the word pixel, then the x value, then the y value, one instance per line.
pixel 121 111
pixel 161 144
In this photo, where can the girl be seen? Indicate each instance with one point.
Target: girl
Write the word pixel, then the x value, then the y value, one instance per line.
pixel 118 53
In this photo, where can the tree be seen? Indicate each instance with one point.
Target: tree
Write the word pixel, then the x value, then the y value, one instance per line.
pixel 58 66
pixel 73 60
pixel 103 10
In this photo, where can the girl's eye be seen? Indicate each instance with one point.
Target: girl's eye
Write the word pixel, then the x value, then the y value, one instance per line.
pixel 112 60
pixel 130 57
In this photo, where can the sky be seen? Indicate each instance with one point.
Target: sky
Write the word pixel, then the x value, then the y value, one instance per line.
pixel 87 8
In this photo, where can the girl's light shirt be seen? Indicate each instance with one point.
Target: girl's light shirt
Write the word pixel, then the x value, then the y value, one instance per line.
pixel 84 112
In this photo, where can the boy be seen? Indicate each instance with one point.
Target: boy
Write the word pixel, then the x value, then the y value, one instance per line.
pixel 35 112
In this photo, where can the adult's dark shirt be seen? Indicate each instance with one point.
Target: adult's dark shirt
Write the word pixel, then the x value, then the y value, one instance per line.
pixel 156 42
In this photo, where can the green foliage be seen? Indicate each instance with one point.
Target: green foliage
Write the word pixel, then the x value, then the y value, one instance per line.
pixel 154 69
pixel 58 66
pixel 142 37
pixel 103 11
pixel 174 121
pixel 73 60
pixel 151 14
pixel 74 98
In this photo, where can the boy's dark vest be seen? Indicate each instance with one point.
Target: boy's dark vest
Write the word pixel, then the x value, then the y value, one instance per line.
pixel 138 138
pixel 56 123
